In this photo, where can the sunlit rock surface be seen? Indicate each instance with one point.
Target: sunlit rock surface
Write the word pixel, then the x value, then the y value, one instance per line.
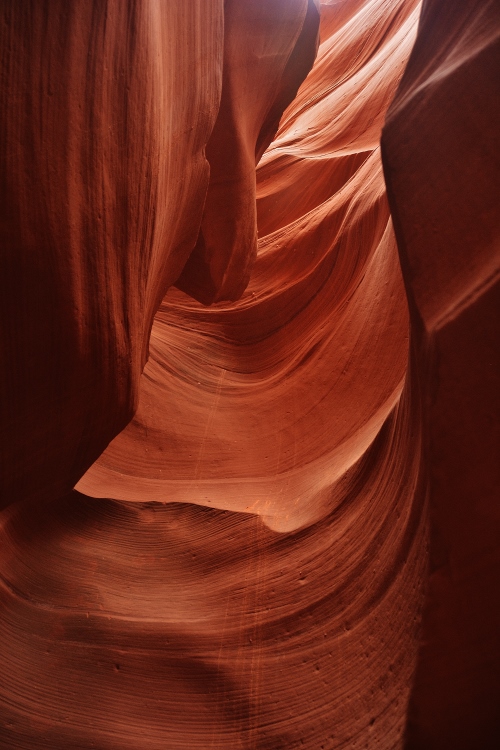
pixel 246 564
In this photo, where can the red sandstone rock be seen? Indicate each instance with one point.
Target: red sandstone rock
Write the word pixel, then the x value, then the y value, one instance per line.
pixel 257 579
pixel 293 361
pixel 269 47
pixel 101 111
pixel 441 146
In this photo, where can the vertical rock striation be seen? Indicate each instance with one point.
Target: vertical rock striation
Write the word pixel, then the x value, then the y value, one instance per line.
pixel 104 126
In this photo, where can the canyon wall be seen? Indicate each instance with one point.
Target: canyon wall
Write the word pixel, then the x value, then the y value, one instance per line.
pixel 278 412
pixel 441 148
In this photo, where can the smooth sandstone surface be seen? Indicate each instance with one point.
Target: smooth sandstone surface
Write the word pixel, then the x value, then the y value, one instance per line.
pixel 246 564
pixel 441 148
pixel 102 112
pixel 268 50
pixel 262 405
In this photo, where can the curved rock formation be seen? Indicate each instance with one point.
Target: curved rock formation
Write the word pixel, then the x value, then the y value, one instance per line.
pixel 244 565
pixel 293 359
pixel 268 50
pixel 96 224
pixel 441 146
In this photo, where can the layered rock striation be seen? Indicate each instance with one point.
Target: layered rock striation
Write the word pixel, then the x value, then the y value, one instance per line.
pixel 271 402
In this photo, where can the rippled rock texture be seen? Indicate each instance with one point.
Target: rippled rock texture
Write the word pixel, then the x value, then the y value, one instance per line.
pixel 272 403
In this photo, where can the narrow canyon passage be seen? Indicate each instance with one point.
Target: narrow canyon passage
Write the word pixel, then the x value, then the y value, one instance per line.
pixel 256 379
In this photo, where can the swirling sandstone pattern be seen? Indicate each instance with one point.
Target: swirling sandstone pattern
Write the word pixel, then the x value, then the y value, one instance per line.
pixel 244 564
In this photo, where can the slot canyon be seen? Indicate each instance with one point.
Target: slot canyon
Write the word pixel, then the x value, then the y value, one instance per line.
pixel 250 355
